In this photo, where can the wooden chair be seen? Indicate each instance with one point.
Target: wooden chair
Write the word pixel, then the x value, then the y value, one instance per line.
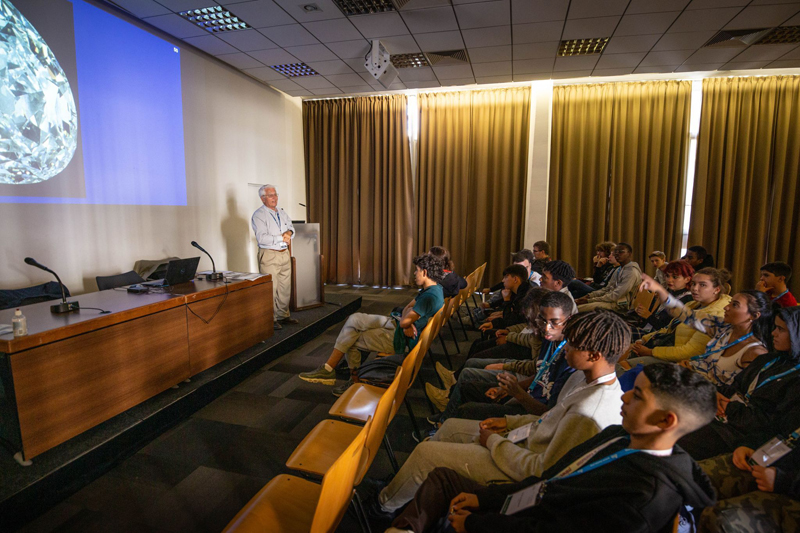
pixel 648 300
pixel 289 504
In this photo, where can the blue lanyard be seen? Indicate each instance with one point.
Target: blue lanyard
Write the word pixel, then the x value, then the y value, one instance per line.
pixel 597 464
pixel 712 352
pixel 547 361
pixel 278 221
pixel 781 295
pixel 772 378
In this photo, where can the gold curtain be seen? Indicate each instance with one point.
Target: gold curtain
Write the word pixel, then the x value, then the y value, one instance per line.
pixel 744 208
pixel 473 156
pixel 359 187
pixel 617 168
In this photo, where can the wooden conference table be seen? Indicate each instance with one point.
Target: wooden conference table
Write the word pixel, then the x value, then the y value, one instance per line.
pixel 73 371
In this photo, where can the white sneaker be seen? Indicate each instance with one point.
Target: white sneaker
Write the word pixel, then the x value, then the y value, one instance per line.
pixel 438 397
pixel 448 376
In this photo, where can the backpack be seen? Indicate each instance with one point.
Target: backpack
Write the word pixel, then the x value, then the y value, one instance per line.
pixel 379 371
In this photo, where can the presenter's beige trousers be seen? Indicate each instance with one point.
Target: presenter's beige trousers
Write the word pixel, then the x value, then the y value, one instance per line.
pixel 279 265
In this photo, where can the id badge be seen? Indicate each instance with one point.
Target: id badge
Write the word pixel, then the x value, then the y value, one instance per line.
pixel 738 398
pixel 770 452
pixel 520 434
pixel 523 499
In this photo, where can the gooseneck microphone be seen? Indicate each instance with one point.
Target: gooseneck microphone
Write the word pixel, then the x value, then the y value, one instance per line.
pixel 64 306
pixel 214 274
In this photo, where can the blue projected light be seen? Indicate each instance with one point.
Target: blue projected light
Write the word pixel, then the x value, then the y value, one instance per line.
pixel 130 115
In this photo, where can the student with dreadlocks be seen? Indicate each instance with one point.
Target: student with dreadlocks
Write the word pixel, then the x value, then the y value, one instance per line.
pixel 515 447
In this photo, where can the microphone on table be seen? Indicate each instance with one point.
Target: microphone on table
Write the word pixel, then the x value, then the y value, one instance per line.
pixel 214 274
pixel 64 306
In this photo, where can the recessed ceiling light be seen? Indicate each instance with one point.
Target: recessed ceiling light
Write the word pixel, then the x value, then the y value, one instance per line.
pixel 409 60
pixel 364 7
pixel 310 8
pixel 582 47
pixel 295 70
pixel 782 35
pixel 214 19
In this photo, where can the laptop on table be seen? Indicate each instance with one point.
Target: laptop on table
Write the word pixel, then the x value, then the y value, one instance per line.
pixel 178 271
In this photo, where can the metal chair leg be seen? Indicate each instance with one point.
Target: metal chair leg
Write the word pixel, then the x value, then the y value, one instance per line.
pixel 461 322
pixel 453 334
pixel 446 353
pixel 362 514
pixel 413 419
pixel 390 452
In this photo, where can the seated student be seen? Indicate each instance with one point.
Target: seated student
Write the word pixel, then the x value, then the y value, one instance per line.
pixel 679 341
pixel 753 497
pixel 773 279
pixel 535 394
pixel 659 262
pixel 698 257
pixel 600 485
pixel 541 255
pixel 452 282
pixel 381 333
pixel 556 275
pixel 678 275
pixel 621 289
pixel 603 269
pixel 483 451
pixel 510 313
pixel 523 257
pixel 762 400
pixel 737 338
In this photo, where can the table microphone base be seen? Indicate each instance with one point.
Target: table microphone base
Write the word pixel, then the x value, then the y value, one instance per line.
pixel 214 276
pixel 65 307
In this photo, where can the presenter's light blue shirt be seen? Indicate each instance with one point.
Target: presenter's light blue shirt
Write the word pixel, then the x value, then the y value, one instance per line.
pixel 269 227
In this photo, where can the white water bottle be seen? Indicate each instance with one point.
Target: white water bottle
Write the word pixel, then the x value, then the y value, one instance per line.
pixel 19 324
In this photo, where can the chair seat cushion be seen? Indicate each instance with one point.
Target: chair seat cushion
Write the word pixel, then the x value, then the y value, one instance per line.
pixel 285 505
pixel 358 402
pixel 322 446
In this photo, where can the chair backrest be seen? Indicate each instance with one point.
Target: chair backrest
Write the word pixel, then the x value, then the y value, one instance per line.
pixel 337 485
pixel 448 307
pixel 119 280
pixel 380 421
pixel 648 300
pixel 481 272
pixel 413 362
pixel 31 295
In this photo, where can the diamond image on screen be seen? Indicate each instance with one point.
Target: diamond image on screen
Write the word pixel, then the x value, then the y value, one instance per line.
pixel 38 119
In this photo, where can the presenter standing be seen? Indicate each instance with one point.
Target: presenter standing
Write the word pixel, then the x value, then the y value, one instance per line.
pixel 274 232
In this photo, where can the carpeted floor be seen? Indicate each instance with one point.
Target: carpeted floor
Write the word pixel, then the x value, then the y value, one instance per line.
pixel 196 476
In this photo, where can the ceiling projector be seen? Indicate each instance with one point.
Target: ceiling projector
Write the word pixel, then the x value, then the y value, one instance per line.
pixel 379 64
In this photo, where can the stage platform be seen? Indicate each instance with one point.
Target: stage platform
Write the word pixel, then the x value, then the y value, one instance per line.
pixel 27 492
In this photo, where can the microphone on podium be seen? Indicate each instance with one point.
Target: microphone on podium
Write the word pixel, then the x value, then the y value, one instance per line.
pixel 64 306
pixel 214 276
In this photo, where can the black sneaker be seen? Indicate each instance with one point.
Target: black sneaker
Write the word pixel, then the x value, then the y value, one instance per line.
pixel 434 419
pixel 426 435
pixel 288 320
pixel 375 513
pixel 338 391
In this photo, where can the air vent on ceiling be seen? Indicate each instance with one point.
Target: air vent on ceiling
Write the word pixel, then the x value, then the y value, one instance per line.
pixel 295 70
pixel 782 35
pixel 448 57
pixel 582 47
pixel 214 19
pixel 364 7
pixel 409 60
pixel 737 37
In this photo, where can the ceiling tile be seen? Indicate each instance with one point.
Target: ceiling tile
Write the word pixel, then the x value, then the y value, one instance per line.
pixel 461 81
pixel 274 57
pixel 655 6
pixel 176 25
pixel 313 82
pixel 535 50
pixel 537 32
pixel 582 9
pixel 416 74
pixel 762 16
pixel 446 40
pixel 489 54
pixel 765 52
pixel 467 1
pixel 620 60
pixel 400 44
pixel 211 45
pixel 683 41
pixel 714 55
pixel 285 85
pixel 532 66
pixel 494 79
pixel 326 68
pixel 327 10
pixel 313 52
pixel 142 8
pixel 523 11
pixel 422 84
pixel 699 67
pixel 498 68
pixel 264 73
pixel 484 14
pixel 290 35
pixel 496 36
pixel 359 88
pixel 357 64
pixel 240 60
pixel 711 4
pixel 571 74
pixel 532 77
pixel 326 92
pixel 452 72
pixel 423 4
pixel 646 23
pixel 330 31
pixel 589 28
pixel 380 25
pixel 794 21
pixel 655 69
pixel 745 65
pixel 300 92
pixel 770 2
pixel 397 86
pixel 630 43
pixel 261 13
pixel 350 49
pixel 612 71
pixel 247 40
pixel 430 20
pixel 703 19
pixel 785 63
pixel 671 57
pixel 575 63
pixel 183 5
pixel 794 54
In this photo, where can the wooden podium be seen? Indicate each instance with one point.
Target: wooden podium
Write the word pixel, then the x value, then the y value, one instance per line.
pixel 308 289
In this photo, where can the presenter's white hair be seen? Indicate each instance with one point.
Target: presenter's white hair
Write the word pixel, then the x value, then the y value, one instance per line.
pixel 263 189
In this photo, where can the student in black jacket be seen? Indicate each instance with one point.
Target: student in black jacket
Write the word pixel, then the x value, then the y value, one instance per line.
pixel 761 402
pixel 636 481
pixel 452 282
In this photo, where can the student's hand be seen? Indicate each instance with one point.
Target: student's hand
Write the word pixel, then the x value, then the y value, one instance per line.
pixel 640 349
pixel 496 314
pixel 494 366
pixel 486 326
pixel 496 393
pixel 485 305
pixel 501 333
pixel 649 284
pixel 722 404
pixel 581 301
pixel 501 341
pixel 463 502
pixel 410 331
pixel 510 384
pixel 760 286
pixel 686 364
pixel 740 457
pixel 484 436
pixel 765 478
pixel 602 261
pixel 458 521
pixel 506 294
pixel 640 310
pixel 494 424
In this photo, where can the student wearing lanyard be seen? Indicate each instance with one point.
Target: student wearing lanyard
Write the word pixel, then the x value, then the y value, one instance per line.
pixel 515 447
pixel 626 479
pixel 773 279
pixel 762 400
